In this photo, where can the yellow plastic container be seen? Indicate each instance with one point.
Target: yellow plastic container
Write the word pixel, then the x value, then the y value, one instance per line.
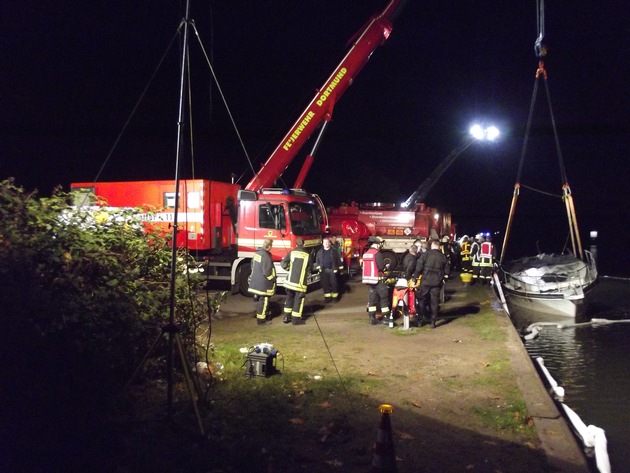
pixel 466 277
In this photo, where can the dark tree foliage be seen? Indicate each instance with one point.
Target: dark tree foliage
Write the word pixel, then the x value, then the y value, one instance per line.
pixel 83 294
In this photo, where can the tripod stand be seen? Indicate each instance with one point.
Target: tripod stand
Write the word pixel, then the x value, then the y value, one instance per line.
pixel 173 337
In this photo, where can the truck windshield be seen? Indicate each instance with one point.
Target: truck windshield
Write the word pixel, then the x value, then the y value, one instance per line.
pixel 304 218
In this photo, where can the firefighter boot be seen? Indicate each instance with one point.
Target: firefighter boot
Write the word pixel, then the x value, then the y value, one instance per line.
pixel 297 320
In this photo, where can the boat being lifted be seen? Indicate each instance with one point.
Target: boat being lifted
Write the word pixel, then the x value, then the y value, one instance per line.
pixel 556 285
pixel 547 283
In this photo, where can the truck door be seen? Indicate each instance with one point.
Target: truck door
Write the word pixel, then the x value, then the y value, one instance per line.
pixel 272 222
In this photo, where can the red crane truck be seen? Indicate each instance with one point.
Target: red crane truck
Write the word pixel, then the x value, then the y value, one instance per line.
pixel 224 224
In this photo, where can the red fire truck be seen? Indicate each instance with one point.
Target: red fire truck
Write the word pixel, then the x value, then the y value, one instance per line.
pixel 225 224
pixel 398 227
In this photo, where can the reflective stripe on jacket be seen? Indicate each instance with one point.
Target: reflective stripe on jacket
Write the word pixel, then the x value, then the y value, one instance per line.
pixel 486 254
pixel 465 251
pixel 297 262
pixel 370 267
pixel 263 278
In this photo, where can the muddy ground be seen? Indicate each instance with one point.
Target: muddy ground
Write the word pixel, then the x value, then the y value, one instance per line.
pixel 456 403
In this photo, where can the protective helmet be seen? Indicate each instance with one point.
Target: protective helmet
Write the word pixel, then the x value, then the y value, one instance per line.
pixel 465 238
pixel 479 236
pixel 375 239
pixel 445 239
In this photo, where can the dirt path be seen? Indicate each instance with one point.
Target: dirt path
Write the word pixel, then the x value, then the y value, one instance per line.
pixel 456 404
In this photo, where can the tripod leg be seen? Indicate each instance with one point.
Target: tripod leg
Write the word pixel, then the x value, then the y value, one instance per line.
pixel 189 382
pixel 142 363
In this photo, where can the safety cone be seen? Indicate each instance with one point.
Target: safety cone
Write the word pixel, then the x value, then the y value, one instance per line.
pixel 384 455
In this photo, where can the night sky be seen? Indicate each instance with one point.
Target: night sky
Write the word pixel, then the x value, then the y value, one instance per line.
pixel 71 73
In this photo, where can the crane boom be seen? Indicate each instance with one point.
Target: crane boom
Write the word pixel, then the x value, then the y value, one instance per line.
pixel 320 109
pixel 421 192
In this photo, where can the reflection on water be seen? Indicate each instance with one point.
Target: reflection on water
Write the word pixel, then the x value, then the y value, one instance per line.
pixel 592 363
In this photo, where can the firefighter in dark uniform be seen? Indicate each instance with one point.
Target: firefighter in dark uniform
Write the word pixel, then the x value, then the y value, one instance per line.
pixel 298 263
pixel 434 267
pixel 374 276
pixel 263 281
pixel 328 262
pixel 445 248
pixel 409 261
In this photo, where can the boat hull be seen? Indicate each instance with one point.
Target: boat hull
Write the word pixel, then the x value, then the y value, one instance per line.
pixel 551 304
pixel 554 285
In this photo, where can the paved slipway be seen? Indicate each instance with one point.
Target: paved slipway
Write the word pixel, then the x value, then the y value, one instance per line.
pixel 429 376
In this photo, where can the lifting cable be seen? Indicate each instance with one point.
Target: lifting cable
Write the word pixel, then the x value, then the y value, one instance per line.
pixel 541 51
pixel 227 108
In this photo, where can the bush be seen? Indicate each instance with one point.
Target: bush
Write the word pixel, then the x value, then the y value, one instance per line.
pixel 84 294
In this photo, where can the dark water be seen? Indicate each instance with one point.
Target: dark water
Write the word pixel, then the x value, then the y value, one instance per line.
pixel 592 364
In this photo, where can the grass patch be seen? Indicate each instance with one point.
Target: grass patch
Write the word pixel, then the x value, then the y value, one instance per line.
pixel 512 417
pixel 486 326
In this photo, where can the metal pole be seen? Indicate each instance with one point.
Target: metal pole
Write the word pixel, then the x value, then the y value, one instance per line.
pixel 171 329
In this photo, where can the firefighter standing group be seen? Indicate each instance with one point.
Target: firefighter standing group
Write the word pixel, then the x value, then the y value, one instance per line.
pixel 426 266
pixel 477 258
pixel 299 264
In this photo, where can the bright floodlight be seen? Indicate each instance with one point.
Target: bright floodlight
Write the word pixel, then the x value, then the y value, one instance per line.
pixel 479 133
pixel 492 133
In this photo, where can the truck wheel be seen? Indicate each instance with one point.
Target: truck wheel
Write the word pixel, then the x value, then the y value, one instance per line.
pixel 244 271
pixel 391 258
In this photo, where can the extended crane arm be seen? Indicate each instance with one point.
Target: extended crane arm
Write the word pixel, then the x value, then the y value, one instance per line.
pixel 320 108
pixel 422 191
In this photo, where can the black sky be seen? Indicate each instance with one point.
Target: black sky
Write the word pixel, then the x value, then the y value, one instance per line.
pixel 71 73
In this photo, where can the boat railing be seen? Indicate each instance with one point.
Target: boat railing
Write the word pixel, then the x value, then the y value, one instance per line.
pixel 573 281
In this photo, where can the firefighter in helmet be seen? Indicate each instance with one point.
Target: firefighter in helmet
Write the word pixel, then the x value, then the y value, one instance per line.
pixel 374 270
pixel 464 245
pixel 298 263
pixel 445 248
pixel 475 257
pixel 263 281
pixel 486 261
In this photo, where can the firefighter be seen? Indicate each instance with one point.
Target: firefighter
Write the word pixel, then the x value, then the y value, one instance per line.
pixel 433 267
pixel 465 254
pixel 298 263
pixel 263 281
pixel 475 257
pixel 328 262
pixel 409 261
pixel 337 244
pixel 486 261
pixel 374 276
pixel 445 248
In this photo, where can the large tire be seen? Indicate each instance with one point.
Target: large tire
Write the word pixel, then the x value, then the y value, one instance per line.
pixel 244 270
pixel 391 258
